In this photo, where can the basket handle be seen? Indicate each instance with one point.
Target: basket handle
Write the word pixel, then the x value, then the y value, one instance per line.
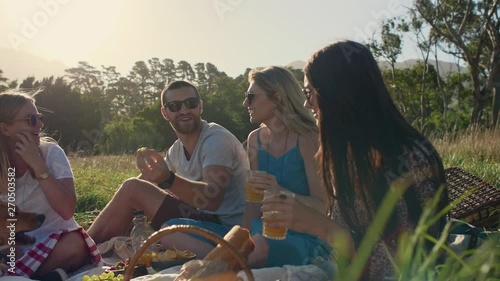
pixel 192 229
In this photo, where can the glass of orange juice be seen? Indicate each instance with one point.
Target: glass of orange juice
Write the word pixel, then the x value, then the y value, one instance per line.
pixel 276 233
pixel 252 196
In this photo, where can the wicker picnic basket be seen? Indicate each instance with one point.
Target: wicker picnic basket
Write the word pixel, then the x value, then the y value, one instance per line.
pixel 482 207
pixel 155 237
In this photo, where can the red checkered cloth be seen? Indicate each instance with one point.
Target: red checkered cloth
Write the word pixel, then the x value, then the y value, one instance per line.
pixel 31 260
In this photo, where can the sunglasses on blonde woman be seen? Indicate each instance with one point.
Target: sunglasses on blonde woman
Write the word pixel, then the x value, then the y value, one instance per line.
pixel 32 119
pixel 250 96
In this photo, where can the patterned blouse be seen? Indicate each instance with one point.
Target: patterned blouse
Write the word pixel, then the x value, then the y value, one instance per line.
pixel 379 266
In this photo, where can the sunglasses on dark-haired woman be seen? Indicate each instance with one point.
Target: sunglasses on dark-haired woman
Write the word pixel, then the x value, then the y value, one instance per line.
pixel 309 94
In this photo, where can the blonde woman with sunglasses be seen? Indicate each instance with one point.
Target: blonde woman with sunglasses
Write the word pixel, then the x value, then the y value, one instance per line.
pixel 35 177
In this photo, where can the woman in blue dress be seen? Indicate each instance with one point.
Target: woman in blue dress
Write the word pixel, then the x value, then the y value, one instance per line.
pixel 284 146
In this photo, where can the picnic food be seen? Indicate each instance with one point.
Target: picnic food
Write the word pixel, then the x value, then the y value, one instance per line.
pixel 140 160
pixel 119 265
pixel 169 255
pixel 106 276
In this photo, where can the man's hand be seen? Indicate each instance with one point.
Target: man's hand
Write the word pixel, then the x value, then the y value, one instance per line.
pixel 152 165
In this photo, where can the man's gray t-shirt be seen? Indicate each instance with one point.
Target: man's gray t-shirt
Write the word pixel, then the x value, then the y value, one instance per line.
pixel 216 146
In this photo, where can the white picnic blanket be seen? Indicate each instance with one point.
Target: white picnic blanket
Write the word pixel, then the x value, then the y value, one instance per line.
pixel 285 273
pixel 119 248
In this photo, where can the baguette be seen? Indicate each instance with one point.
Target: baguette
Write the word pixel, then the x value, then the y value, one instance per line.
pixel 240 239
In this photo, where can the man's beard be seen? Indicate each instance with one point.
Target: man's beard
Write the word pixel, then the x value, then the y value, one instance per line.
pixel 186 129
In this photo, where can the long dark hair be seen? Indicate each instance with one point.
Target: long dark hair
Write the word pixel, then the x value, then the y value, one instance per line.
pixel 363 135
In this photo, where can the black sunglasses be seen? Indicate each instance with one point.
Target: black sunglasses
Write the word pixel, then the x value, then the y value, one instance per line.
pixel 175 106
pixel 32 119
pixel 250 96
pixel 308 93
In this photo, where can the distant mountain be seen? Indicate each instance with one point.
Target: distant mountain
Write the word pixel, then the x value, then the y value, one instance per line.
pixel 20 65
pixel 298 64
pixel 445 68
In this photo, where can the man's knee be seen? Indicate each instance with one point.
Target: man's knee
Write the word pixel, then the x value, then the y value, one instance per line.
pixel 131 186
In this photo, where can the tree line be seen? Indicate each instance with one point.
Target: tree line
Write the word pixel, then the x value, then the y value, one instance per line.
pixel 469 30
pixel 99 110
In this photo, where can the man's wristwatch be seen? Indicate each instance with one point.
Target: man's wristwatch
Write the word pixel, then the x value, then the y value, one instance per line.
pixel 168 183
pixel 43 176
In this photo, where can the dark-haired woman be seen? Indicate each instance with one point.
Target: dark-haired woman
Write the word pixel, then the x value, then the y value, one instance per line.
pixel 365 145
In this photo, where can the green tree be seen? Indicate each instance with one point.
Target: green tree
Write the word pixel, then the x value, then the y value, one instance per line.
pixel 201 77
pixel 212 74
pixel 3 82
pixel 470 30
pixel 389 47
pixel 85 78
pixel 140 76
pixel 88 80
pixel 75 121
pixel 28 83
pixel 169 71
pixel 157 76
pixel 185 71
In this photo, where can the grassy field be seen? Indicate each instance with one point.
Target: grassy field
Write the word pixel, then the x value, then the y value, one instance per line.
pixel 475 151
pixel 97 177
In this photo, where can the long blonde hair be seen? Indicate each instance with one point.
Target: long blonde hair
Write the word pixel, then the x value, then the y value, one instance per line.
pixel 279 81
pixel 11 102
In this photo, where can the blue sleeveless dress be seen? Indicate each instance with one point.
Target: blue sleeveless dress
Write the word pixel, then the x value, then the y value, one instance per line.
pixel 298 248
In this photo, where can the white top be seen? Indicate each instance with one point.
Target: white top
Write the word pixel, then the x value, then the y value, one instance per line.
pixel 30 197
pixel 216 146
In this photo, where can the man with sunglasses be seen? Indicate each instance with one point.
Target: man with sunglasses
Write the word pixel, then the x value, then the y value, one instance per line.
pixel 201 177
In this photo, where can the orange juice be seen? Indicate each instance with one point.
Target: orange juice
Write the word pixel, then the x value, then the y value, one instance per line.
pixel 277 233
pixel 251 195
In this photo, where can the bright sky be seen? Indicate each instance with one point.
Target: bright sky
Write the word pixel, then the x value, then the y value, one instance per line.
pixel 232 34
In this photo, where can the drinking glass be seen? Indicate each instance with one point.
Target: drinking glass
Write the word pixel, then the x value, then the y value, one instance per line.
pixel 277 233
pixel 252 196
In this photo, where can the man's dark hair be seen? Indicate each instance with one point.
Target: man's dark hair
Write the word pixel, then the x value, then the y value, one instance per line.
pixel 177 85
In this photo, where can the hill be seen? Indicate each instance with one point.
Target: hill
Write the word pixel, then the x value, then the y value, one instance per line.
pixel 445 68
pixel 18 65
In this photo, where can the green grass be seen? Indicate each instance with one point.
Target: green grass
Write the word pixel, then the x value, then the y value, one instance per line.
pixel 98 177
pixel 475 151
pixel 96 180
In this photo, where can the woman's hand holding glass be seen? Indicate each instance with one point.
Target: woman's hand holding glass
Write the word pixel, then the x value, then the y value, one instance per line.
pixel 152 165
pixel 286 211
pixel 262 181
